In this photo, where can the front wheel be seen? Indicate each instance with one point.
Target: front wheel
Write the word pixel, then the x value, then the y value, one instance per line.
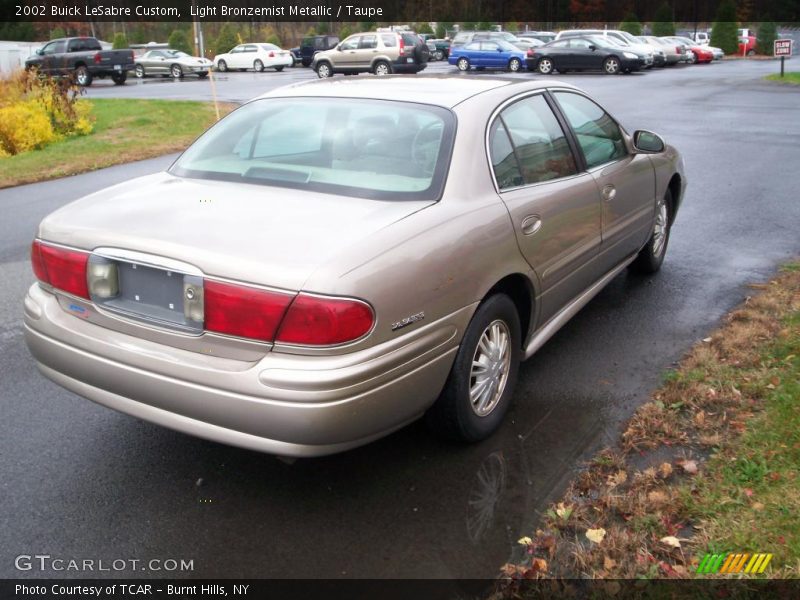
pixel 139 71
pixel 324 70
pixel 651 257
pixel 514 65
pixel 176 71
pixel 463 64
pixel 545 66
pixel 439 55
pixel 83 77
pixel 222 66
pixel 119 78
pixel 258 66
pixel 478 390
pixel 279 69
pixel 611 65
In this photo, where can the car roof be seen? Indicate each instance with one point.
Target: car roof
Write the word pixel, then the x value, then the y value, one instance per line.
pixel 440 90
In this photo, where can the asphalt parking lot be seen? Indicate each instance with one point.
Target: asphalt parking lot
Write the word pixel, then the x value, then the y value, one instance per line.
pixel 81 481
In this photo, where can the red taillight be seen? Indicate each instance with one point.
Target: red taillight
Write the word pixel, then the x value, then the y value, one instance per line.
pixel 243 311
pixel 530 53
pixel 678 50
pixel 321 321
pixel 97 58
pixel 402 46
pixel 63 269
pixel 272 54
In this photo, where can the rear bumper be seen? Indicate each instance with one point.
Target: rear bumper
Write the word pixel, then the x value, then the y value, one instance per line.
pixel 401 65
pixel 288 405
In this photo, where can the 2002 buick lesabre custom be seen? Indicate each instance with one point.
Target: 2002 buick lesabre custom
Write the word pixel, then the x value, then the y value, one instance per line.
pixel 325 265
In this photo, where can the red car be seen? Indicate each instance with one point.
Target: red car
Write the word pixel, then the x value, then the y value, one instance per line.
pixel 747 45
pixel 701 53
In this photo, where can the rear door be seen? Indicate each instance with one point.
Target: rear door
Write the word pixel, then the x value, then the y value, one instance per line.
pixel 367 51
pixel 554 207
pixel 626 181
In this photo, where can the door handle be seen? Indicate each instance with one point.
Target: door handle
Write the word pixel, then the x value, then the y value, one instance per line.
pixel 531 224
pixel 609 192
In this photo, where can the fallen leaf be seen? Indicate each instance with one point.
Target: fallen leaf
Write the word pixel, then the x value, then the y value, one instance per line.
pixel 657 497
pixel 563 511
pixel 671 540
pixel 539 565
pixel 758 506
pixel 609 563
pixel 525 541
pixel 616 479
pixel 690 467
pixel 665 470
pixel 596 535
pixel 748 492
pixel 700 418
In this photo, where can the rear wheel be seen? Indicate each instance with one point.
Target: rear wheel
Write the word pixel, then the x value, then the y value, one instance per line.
pixel 478 390
pixel 651 257
pixel 324 70
pixel 139 70
pixel 222 66
pixel 176 71
pixel 382 68
pixel 514 65
pixel 439 55
pixel 545 66
pixel 119 78
pixel 202 74
pixel 279 69
pixel 305 62
pixel 258 66
pixel 463 64
pixel 611 65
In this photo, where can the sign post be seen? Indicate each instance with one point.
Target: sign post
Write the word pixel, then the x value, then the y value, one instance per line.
pixel 782 48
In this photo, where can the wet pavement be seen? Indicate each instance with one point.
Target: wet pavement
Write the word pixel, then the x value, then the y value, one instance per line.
pixel 80 481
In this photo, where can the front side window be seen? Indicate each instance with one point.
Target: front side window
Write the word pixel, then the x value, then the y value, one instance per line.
pixel 351 43
pixel 539 144
pixel 599 136
pixel 330 145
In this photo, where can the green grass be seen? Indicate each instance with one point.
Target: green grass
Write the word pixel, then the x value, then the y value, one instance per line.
pixel 749 497
pixel 124 131
pixel 791 77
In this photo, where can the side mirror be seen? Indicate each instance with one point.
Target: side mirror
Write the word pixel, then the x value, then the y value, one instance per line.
pixel 339 47
pixel 648 142
pixel 592 47
pixel 40 52
pixel 499 49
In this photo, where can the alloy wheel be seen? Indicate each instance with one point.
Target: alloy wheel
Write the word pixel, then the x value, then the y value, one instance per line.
pixel 490 368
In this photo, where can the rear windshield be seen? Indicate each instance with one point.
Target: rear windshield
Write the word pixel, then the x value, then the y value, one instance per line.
pixel 376 149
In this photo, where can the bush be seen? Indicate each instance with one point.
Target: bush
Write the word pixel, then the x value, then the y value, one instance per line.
pixel 631 24
pixel 344 32
pixel 225 40
pixel 662 23
pixel 424 28
pixel 178 40
pixel 767 34
pixel 120 41
pixel 36 111
pixel 723 34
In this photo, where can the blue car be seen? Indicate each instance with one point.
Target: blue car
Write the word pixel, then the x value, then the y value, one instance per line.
pixel 487 54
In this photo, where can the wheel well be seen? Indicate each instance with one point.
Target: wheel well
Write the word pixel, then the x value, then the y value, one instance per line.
pixel 518 288
pixel 674 187
pixel 80 64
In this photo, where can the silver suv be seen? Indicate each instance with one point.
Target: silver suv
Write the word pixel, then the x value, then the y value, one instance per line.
pixel 381 53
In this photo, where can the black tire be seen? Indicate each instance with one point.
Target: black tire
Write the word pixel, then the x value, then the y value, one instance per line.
pixel 202 74
pixel 119 78
pixel 258 66
pixel 305 62
pixel 463 64
pixel 749 53
pixel 222 66
pixel 82 76
pixel 611 66
pixel 545 66
pixel 651 256
pixel 421 54
pixel 324 70
pixel 453 415
pixel 382 68
pixel 439 55
pixel 176 71
pixel 140 72
pixel 515 65
pixel 279 69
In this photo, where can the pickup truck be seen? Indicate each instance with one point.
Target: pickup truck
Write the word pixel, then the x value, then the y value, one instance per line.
pixel 82 57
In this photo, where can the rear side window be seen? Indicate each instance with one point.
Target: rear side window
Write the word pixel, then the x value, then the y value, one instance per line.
pixel 368 41
pixel 389 40
pixel 539 144
pixel 599 136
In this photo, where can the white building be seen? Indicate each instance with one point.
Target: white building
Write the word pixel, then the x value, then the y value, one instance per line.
pixel 13 55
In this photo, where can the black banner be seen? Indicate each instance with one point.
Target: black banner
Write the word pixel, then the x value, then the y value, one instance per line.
pixel 382 11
